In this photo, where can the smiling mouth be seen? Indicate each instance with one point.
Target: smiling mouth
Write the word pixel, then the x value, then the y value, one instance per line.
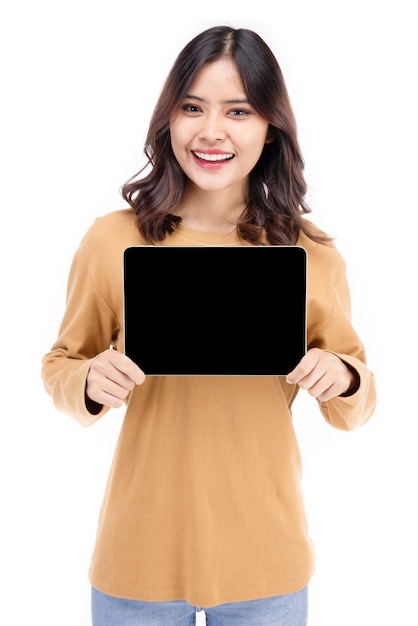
pixel 213 158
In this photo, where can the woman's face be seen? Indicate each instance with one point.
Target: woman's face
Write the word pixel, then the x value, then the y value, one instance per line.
pixel 216 136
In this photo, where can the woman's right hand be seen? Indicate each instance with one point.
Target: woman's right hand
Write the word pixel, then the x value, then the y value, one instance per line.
pixel 111 377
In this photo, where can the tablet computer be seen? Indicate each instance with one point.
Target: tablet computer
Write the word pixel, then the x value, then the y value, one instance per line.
pixel 215 310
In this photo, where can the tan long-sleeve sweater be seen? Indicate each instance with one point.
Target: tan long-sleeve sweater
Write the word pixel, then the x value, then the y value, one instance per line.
pixel 203 501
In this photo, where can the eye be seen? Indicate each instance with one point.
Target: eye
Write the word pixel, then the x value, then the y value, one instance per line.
pixel 191 108
pixel 239 113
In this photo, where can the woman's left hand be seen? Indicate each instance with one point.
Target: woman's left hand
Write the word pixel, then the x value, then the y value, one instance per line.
pixel 323 375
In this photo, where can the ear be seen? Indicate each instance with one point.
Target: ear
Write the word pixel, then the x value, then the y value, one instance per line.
pixel 270 135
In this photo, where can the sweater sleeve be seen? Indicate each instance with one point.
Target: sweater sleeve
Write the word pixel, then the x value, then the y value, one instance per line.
pixel 86 330
pixel 330 328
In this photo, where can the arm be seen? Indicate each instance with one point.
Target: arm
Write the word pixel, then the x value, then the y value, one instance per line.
pixel 334 369
pixel 83 376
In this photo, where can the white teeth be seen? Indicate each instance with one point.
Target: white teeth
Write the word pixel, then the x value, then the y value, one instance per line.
pixel 213 157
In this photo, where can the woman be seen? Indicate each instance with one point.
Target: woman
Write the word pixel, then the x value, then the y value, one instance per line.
pixel 203 508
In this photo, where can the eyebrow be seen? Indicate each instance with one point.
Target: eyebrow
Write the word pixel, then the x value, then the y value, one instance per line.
pixel 233 101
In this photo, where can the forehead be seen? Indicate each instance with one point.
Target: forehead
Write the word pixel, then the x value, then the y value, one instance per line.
pixel 218 78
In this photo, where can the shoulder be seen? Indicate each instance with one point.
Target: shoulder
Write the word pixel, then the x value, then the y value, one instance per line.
pixel 120 224
pixel 322 258
pixel 110 234
pixel 100 252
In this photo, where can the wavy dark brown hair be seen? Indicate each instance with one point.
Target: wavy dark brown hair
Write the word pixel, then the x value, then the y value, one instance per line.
pixel 275 202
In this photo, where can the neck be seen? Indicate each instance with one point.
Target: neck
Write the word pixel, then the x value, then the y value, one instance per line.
pixel 211 212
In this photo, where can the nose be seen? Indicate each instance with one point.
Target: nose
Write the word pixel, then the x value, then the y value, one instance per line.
pixel 212 128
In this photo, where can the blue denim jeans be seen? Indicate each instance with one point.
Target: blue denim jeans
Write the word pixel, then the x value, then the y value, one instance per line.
pixel 286 610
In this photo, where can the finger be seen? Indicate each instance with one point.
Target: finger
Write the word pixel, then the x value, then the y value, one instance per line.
pixel 113 384
pixel 329 393
pixel 304 368
pixel 110 389
pixel 106 399
pixel 321 388
pixel 126 366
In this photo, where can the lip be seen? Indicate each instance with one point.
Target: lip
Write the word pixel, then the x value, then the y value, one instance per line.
pixel 212 159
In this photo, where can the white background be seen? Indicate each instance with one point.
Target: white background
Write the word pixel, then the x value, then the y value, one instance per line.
pixel 79 80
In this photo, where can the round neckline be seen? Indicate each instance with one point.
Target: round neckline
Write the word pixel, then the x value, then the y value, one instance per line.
pixel 206 237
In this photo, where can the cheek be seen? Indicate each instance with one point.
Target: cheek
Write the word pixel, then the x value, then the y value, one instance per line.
pixel 255 149
pixel 256 140
pixel 175 145
pixel 178 139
